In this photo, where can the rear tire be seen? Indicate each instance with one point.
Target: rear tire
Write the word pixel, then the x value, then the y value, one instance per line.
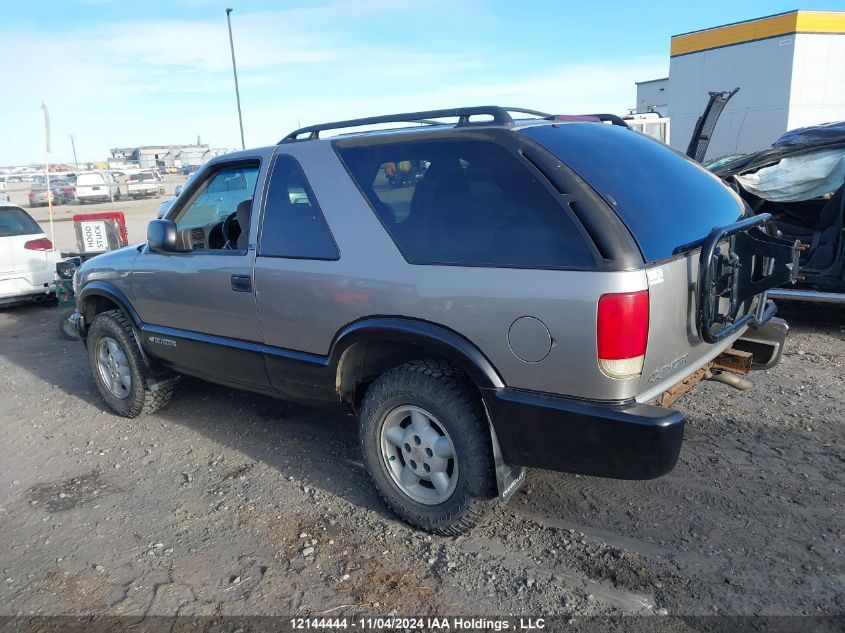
pixel 119 371
pixel 426 444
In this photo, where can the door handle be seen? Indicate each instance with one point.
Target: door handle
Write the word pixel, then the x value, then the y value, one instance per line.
pixel 241 283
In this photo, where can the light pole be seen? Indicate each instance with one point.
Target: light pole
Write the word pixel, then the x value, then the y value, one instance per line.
pixel 235 71
pixel 73 145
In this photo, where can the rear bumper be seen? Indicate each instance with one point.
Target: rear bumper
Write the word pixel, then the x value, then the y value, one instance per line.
pixel 25 293
pixel 32 284
pixel 630 441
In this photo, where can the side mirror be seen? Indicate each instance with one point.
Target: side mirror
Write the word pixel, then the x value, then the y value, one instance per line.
pixel 161 236
pixel 177 190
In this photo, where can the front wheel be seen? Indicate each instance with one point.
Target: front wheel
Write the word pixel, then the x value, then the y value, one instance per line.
pixel 119 371
pixel 426 444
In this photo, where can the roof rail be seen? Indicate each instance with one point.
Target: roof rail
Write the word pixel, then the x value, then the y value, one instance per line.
pixel 606 118
pixel 500 116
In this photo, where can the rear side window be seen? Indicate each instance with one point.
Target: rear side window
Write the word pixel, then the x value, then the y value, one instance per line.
pixel 293 224
pixel 664 199
pixel 466 202
pixel 17 222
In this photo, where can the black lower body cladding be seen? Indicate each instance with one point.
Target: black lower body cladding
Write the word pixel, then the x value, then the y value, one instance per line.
pixel 632 441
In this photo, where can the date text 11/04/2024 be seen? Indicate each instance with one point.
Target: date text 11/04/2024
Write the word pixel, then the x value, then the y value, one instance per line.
pixel 419 623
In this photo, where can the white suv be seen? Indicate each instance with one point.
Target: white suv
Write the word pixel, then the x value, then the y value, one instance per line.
pixel 27 258
pixel 96 186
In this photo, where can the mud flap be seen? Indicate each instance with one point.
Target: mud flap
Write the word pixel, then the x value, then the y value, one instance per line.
pixel 765 343
pixel 509 479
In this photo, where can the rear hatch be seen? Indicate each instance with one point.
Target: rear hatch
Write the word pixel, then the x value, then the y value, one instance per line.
pixel 90 185
pixel 22 243
pixel 674 209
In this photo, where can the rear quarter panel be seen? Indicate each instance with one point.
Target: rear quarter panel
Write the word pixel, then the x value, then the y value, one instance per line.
pixel 675 349
pixel 303 304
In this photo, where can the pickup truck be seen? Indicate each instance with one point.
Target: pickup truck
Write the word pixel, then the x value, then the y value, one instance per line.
pixel 143 185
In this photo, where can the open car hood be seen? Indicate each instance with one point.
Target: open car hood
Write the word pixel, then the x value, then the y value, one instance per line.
pixel 792 143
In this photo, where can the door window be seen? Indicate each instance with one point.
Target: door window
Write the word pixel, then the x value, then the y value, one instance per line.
pixel 219 197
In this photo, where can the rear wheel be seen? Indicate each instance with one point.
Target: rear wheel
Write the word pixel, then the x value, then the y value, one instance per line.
pixel 426 444
pixel 119 371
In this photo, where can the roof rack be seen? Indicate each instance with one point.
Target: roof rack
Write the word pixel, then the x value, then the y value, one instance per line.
pixel 501 116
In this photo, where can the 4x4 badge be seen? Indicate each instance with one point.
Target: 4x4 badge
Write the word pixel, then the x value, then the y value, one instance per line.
pixel 162 341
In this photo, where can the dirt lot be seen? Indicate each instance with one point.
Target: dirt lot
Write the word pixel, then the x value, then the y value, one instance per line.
pixel 231 503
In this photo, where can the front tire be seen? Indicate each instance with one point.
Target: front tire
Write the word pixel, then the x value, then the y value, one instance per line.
pixel 119 371
pixel 426 444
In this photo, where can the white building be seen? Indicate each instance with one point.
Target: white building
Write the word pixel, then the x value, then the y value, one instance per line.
pixel 790 69
pixel 159 156
pixel 653 96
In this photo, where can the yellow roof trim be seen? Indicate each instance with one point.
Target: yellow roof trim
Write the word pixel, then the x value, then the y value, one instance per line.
pixel 772 26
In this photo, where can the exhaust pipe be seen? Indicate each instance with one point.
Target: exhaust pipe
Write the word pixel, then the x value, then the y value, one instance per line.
pixel 731 380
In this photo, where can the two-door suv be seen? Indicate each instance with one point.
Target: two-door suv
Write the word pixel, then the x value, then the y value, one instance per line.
pixel 486 293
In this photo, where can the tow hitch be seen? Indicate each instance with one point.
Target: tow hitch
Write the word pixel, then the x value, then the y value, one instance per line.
pixel 738 262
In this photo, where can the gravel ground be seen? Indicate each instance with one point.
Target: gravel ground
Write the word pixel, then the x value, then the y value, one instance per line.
pixel 231 503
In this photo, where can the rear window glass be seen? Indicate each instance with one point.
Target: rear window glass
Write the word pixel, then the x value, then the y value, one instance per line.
pixel 90 179
pixel 466 202
pixel 665 200
pixel 17 222
pixel 293 224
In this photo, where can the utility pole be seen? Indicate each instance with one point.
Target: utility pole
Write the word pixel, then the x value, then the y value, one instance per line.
pixel 235 71
pixel 73 145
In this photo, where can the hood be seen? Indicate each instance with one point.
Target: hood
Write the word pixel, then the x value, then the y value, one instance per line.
pixel 109 266
pixel 792 143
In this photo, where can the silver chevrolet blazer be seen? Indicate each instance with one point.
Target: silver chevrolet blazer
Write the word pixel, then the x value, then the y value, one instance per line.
pixel 486 289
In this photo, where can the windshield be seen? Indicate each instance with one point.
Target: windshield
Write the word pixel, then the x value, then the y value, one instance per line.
pixel 665 199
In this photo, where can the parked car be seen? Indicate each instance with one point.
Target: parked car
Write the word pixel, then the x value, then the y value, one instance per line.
pixel 800 181
pixel 142 185
pixel 67 188
pixel 27 258
pixel 524 302
pixel 96 186
pixel 40 197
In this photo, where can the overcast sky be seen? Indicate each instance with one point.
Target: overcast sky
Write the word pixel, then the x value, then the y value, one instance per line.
pixel 124 73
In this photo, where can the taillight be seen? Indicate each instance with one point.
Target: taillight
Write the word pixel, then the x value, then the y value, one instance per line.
pixel 622 333
pixel 41 244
